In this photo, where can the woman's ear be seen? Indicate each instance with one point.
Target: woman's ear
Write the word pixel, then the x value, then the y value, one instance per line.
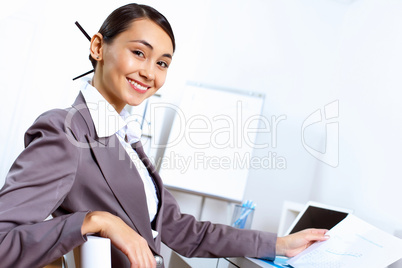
pixel 97 47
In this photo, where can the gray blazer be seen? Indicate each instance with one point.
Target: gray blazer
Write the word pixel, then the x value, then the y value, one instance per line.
pixel 66 171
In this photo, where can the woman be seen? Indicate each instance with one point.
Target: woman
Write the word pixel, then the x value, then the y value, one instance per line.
pixel 85 166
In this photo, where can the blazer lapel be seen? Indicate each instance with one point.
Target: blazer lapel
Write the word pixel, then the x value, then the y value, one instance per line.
pixel 120 174
pixel 125 182
pixel 150 167
pixel 159 187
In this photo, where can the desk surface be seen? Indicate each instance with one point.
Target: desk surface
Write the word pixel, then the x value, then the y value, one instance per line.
pixel 255 263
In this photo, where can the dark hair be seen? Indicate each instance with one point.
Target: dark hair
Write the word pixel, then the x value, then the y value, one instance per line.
pixel 121 18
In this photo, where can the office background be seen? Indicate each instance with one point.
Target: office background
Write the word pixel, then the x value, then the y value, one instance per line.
pixel 302 54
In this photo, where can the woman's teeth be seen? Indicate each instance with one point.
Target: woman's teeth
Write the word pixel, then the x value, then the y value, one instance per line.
pixel 137 85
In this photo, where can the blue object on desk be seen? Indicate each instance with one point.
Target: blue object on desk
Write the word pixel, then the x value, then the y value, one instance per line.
pixel 279 261
pixel 240 217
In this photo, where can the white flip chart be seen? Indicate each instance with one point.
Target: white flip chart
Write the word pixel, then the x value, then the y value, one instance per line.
pixel 211 142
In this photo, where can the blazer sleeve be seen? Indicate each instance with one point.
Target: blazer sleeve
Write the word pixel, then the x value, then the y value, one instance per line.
pixel 36 184
pixel 192 238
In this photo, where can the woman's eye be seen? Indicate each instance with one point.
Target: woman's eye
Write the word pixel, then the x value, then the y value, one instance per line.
pixel 163 64
pixel 138 53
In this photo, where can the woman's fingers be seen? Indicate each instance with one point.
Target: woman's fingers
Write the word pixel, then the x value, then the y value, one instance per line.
pixel 139 253
pixel 122 236
pixel 295 243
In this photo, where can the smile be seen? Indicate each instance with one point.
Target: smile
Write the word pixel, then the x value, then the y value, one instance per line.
pixel 137 87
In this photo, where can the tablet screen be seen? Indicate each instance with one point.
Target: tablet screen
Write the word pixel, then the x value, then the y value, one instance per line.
pixel 316 217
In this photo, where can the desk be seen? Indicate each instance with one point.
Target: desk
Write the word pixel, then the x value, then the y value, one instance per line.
pixel 237 262
pixel 250 263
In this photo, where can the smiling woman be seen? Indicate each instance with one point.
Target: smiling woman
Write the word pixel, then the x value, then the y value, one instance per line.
pixel 133 66
pixel 85 166
pixel 131 54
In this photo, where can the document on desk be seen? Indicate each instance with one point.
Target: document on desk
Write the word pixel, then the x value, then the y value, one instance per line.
pixel 353 243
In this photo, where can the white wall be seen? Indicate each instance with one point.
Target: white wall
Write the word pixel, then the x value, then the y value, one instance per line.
pixel 302 54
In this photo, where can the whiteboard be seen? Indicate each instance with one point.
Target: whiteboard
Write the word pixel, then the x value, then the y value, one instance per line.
pixel 211 141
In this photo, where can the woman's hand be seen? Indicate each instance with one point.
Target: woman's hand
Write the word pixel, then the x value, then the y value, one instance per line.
pixel 122 236
pixel 293 244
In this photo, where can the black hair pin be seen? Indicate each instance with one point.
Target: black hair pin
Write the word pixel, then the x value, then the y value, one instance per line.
pixel 89 38
pixel 83 31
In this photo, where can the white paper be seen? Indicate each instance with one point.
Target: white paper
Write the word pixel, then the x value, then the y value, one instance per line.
pixel 353 243
pixel 95 253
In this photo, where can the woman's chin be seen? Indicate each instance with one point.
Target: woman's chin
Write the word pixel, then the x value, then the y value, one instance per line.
pixel 136 102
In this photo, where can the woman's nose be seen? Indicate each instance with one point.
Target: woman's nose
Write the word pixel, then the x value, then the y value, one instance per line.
pixel 147 72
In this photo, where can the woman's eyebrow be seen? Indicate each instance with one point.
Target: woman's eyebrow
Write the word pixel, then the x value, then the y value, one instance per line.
pixel 145 43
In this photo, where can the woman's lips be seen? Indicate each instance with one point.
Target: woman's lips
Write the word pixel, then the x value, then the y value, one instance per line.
pixel 137 86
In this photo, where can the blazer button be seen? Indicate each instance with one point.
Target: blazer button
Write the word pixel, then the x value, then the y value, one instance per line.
pixel 159 261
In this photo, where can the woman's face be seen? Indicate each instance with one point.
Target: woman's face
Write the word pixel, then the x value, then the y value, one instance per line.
pixel 134 65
